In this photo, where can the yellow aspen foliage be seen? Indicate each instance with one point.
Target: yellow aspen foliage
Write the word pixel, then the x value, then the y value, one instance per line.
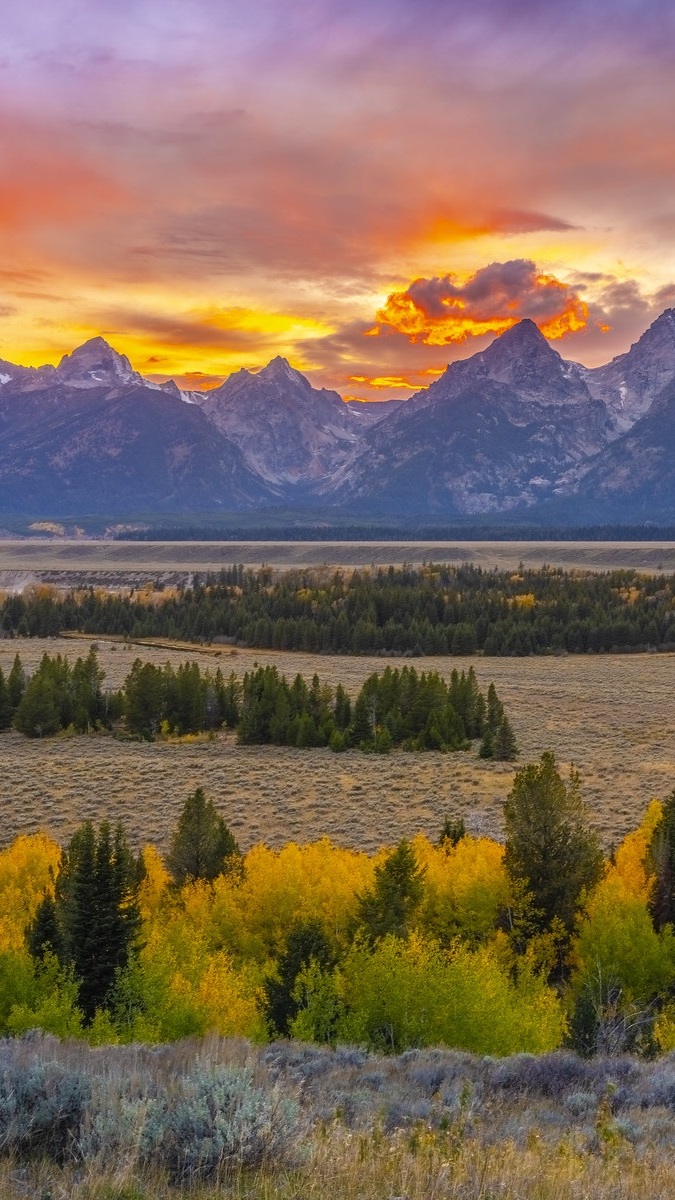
pixel 175 944
pixel 27 871
pixel 465 887
pixel 317 880
pixel 664 1030
pixel 188 991
pixel 228 999
pixel 154 887
pixel 628 873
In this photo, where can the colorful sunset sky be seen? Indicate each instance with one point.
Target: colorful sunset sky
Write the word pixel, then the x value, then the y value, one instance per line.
pixel 371 188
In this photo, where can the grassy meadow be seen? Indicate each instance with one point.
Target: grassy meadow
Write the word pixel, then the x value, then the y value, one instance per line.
pixel 607 714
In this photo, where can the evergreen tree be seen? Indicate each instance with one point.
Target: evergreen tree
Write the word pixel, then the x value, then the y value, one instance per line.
pixel 37 714
pixel 452 832
pixel 504 745
pixel 550 854
pixel 202 846
pixel 361 728
pixel 306 943
pixel 391 904
pixel 144 690
pixel 43 935
pixel 661 859
pixel 16 683
pixel 96 911
pixel 6 711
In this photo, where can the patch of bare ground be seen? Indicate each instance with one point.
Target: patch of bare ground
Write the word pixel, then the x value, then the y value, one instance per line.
pixel 608 715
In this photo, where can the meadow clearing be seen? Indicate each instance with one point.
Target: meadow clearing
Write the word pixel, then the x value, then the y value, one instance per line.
pixel 609 715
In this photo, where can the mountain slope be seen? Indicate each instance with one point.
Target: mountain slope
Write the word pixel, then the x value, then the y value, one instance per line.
pixel 494 433
pixel 66 450
pixel 629 384
pixel 288 432
pixel 512 428
pixel 634 477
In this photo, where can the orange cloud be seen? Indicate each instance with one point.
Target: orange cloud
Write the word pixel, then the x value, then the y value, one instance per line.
pixel 442 310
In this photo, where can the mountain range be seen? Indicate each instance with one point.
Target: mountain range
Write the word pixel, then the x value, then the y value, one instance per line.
pixel 515 429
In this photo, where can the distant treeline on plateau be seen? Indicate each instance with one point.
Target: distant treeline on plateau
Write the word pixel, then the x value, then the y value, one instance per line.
pixel 395 611
pixel 414 532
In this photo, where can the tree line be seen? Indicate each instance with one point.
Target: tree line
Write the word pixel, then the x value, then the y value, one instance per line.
pixel 435 609
pixel 398 707
pixel 413 531
pixel 525 946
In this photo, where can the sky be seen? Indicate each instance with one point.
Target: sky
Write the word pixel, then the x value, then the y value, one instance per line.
pixel 370 188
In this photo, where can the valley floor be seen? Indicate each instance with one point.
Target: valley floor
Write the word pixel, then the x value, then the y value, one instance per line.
pixel 610 715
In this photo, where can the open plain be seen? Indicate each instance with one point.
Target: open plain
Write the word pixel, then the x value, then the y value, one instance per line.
pixel 609 715
pixel 107 563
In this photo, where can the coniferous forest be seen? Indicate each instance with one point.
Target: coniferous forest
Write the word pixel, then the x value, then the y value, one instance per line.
pixel 398 707
pixel 394 611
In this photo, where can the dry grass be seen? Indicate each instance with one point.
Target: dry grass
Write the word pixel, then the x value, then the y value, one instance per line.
pixel 347 1167
pixel 609 715
pixel 569 1137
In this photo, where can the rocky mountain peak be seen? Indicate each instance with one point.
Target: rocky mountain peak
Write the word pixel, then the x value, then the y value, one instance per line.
pixel 520 359
pixel 631 382
pixel 95 363
pixel 280 372
pixel 519 353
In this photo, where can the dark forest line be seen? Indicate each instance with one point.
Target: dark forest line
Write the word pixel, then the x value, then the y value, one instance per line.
pixel 429 610
pixel 413 532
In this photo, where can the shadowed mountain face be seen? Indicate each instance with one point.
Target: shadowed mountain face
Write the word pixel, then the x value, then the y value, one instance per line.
pixel 509 429
pixel 71 450
pixel 494 433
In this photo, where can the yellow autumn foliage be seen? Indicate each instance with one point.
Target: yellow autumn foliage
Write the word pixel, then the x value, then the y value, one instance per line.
pixel 465 886
pixel 27 871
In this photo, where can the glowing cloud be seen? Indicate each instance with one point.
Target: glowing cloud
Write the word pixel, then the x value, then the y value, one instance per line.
pixel 442 310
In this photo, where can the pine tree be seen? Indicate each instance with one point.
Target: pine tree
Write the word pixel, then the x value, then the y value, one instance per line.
pixel 96 912
pixel 5 703
pixel 661 859
pixel 306 943
pixel 16 683
pixel 550 852
pixel 43 935
pixel 202 846
pixel 391 904
pixel 144 690
pixel 37 714
pixel 452 832
pixel 504 745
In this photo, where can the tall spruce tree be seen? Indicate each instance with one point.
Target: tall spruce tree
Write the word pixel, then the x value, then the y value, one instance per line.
pixel 96 913
pixel 306 943
pixel 551 855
